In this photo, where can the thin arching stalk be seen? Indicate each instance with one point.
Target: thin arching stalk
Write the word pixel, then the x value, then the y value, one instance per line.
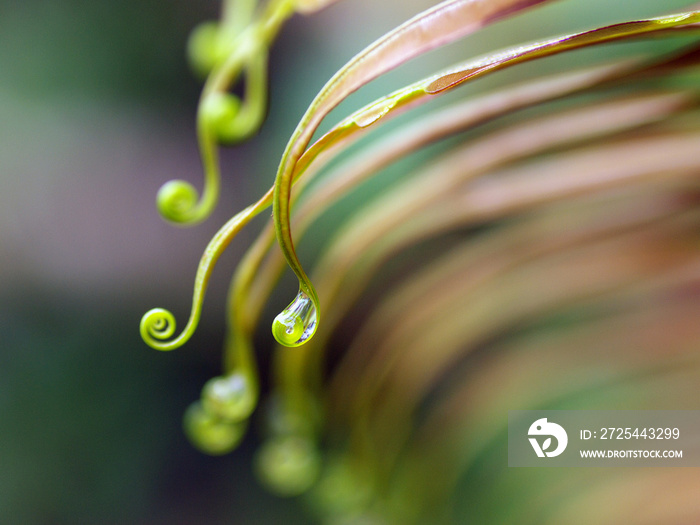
pixel 406 215
pixel 290 322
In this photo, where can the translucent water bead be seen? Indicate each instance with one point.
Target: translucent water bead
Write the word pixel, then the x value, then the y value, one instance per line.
pixel 288 465
pixel 297 323
pixel 211 434
pixel 230 397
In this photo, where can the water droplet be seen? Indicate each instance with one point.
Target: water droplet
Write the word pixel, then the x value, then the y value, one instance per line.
pixel 373 113
pixel 211 434
pixel 288 465
pixel 297 323
pixel 230 397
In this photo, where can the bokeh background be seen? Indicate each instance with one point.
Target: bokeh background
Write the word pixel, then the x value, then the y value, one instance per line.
pixel 97 107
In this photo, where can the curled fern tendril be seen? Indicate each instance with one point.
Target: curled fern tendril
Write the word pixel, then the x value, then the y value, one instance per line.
pixel 231 398
pixel 210 434
pixel 157 324
pixel 237 47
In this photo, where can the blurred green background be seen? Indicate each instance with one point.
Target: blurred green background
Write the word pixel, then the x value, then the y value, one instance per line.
pixel 97 110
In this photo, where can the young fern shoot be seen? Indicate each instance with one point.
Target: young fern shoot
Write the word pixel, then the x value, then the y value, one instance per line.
pixel 234 48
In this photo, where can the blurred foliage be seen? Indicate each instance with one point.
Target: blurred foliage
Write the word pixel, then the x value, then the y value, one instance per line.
pixel 78 48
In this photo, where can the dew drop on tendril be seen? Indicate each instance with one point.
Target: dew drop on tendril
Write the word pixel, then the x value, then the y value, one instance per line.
pixel 231 398
pixel 373 113
pixel 297 323
pixel 211 434
pixel 288 465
